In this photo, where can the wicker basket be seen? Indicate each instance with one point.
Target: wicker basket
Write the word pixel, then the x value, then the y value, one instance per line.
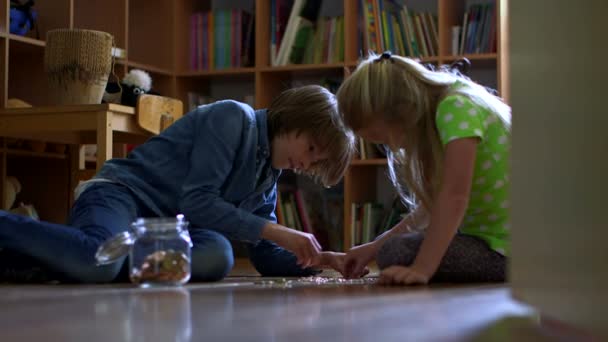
pixel 78 63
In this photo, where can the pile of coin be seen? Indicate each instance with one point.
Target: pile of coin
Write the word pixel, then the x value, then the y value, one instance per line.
pixel 167 266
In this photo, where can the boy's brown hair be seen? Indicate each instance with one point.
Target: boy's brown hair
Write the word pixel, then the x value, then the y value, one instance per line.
pixel 312 110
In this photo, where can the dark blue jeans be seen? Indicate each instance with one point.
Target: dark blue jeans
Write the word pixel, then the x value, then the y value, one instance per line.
pixel 102 211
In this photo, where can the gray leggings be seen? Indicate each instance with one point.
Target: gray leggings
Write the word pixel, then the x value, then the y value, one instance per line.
pixel 468 258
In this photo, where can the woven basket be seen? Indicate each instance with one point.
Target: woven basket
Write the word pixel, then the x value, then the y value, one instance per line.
pixel 77 63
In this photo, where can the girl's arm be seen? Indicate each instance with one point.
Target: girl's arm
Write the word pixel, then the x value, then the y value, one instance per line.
pixel 449 206
pixel 357 258
pixel 416 220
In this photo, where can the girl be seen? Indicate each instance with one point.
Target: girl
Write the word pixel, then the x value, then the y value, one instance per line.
pixel 449 141
pixel 218 165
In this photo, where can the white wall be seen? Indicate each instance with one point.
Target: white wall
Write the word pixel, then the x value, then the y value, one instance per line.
pixel 560 158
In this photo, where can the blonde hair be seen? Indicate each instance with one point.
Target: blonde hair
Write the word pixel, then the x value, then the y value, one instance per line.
pixel 312 110
pixel 403 93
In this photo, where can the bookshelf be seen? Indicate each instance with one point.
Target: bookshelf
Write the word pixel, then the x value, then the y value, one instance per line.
pixel 156 37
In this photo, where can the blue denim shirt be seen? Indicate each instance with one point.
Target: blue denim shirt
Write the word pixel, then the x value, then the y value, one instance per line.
pixel 212 165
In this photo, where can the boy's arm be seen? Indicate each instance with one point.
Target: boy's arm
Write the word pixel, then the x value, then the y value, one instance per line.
pixel 217 135
pixel 303 245
pixel 267 210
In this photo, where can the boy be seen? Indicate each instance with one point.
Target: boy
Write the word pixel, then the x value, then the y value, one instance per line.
pixel 219 166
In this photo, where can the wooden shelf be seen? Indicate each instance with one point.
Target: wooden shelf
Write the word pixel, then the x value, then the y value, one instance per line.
pixel 26 153
pixel 155 36
pixel 120 61
pixel 26 40
pixel 478 56
pixel 219 72
pixel 149 68
pixel 360 162
pixel 427 59
pixel 302 67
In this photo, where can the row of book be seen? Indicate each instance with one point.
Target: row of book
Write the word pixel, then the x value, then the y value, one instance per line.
pixel 292 211
pixel 303 32
pixel 309 207
pixel 221 39
pixel 389 25
pixel 296 212
pixel 477 34
pixel 366 218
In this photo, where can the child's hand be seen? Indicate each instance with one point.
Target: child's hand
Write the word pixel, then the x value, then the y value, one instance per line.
pixel 401 275
pixel 357 258
pixel 336 261
pixel 304 245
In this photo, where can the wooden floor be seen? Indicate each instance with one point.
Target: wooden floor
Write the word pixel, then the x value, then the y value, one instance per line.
pixel 264 309
pixel 245 307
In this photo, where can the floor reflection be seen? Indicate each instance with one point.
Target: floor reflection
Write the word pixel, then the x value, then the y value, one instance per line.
pixel 245 311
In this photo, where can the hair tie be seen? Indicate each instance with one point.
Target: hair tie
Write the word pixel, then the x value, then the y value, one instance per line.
pixel 461 65
pixel 386 55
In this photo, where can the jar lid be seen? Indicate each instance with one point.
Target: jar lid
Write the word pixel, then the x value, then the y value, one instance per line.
pixel 114 248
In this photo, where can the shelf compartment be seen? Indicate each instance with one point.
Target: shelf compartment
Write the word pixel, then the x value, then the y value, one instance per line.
pixel 36 189
pixel 33 154
pixel 149 68
pixel 3 72
pixel 359 187
pixel 150 33
pixel 413 6
pixel 103 15
pixel 295 68
pixel 303 71
pixel 245 72
pixel 452 14
pixel 189 23
pixel 162 82
pixel 184 10
pixel 197 90
pixel 27 79
pixel 275 80
pixel 4 16
pixel 52 15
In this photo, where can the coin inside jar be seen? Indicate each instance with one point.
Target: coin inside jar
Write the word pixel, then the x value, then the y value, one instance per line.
pixel 162 266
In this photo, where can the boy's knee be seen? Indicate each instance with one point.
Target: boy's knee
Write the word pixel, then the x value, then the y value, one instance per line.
pixel 93 274
pixel 212 260
pixel 398 250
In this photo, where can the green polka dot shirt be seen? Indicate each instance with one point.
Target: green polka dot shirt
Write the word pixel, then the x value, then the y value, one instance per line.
pixel 487 215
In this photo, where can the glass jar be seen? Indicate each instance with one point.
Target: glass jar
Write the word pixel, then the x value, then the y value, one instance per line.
pixel 158 248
